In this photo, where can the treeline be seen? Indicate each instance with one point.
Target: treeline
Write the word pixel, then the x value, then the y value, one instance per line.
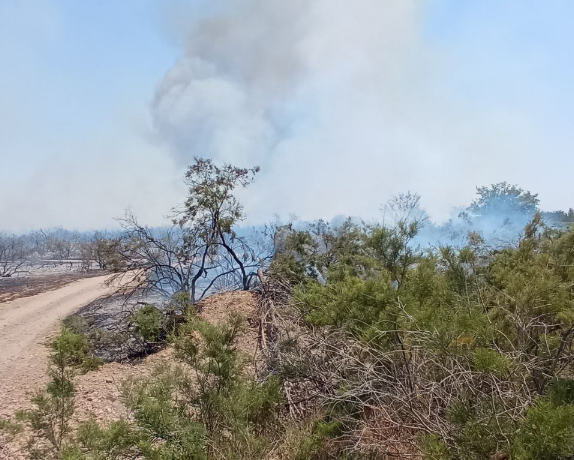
pixel 498 215
pixel 86 249
pixel 375 343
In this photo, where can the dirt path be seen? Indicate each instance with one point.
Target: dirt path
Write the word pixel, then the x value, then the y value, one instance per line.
pixel 25 326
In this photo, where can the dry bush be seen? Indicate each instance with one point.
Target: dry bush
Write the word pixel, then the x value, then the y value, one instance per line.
pixel 387 401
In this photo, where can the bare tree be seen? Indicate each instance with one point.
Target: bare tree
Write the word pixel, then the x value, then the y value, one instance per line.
pixel 164 261
pixel 160 259
pixel 12 255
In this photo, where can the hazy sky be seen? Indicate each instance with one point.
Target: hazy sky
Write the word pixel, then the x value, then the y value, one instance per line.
pixel 342 103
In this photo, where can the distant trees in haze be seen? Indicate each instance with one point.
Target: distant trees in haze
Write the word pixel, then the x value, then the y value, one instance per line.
pixel 204 245
pixel 12 255
pixel 503 198
pixel 508 202
pixel 57 246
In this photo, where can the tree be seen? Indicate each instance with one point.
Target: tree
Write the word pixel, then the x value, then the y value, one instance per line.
pixel 12 255
pixel 210 214
pixel 559 218
pixel 405 208
pixel 393 244
pixel 105 252
pixel 503 198
pixel 160 257
pixel 202 247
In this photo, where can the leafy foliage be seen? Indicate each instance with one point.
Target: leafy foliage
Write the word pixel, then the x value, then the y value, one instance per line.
pixel 504 198
pixel 495 327
pixel 207 407
pixel 149 322
pixel 51 418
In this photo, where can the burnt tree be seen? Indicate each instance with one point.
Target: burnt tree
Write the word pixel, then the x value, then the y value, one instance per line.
pixel 201 248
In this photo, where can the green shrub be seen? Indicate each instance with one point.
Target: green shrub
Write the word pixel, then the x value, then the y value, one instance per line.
pixel 287 268
pixel 481 427
pixel 72 350
pixel 367 308
pixel 490 361
pixel 209 408
pixel 114 442
pixel 50 419
pixel 234 410
pixel 315 445
pixel 434 448
pixel 547 433
pixel 149 323
pixel 561 391
pixel 9 427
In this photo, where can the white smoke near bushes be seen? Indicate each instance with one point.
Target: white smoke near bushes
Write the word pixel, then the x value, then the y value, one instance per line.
pixel 342 104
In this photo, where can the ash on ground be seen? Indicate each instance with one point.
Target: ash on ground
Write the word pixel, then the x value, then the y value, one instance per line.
pixel 109 324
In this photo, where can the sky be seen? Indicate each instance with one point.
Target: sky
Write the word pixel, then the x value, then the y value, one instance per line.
pixel 343 104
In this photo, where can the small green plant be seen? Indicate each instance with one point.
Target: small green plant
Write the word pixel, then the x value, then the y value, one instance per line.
pixel 153 325
pixel 547 433
pixel 149 323
pixel 315 444
pixel 435 448
pixel 118 440
pixel 9 427
pixel 51 417
pixel 235 411
pixel 490 361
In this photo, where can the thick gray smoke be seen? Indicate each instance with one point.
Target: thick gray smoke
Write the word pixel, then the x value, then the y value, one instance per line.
pixel 342 104
pixel 326 96
pixel 228 96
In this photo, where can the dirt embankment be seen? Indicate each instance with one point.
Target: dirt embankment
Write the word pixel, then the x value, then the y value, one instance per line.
pixel 99 392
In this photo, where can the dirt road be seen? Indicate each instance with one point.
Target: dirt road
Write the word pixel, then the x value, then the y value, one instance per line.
pixel 25 326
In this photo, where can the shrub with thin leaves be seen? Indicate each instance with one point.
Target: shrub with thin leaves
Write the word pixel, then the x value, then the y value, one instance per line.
pixel 51 417
pixel 207 407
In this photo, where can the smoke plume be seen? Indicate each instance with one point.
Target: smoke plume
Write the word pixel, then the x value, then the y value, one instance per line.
pixel 342 104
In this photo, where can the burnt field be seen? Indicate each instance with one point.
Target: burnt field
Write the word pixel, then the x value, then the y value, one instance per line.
pixel 41 278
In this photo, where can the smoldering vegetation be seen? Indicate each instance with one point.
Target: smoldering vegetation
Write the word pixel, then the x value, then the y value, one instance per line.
pixel 161 257
pixel 396 338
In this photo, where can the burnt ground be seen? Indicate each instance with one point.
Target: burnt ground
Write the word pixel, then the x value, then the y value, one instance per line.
pixel 107 322
pixel 25 286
